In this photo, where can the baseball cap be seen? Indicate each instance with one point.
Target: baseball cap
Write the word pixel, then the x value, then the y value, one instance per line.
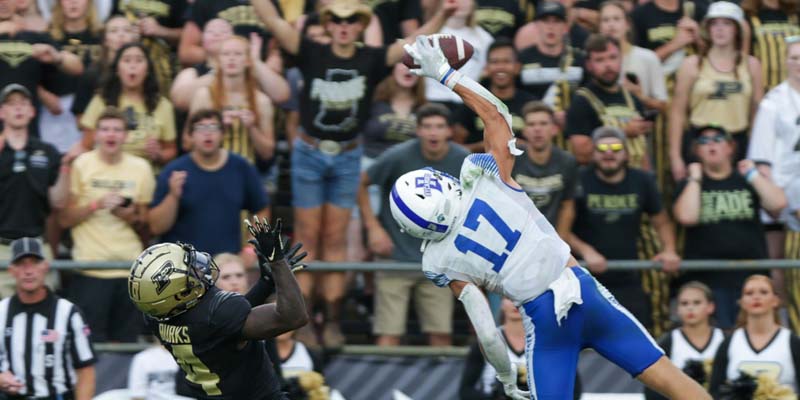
pixel 24 247
pixel 14 88
pixel 697 131
pixel 553 8
pixel 606 132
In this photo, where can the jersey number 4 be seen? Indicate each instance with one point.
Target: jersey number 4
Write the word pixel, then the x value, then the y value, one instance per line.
pixel 464 244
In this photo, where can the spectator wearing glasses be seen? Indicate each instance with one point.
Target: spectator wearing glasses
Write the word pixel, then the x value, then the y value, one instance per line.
pixel 335 104
pixel 107 212
pixel 718 204
pixel 721 86
pixel 611 202
pixel 188 205
pixel 133 88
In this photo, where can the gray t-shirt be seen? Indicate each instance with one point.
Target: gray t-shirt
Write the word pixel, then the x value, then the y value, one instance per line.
pixel 550 184
pixel 389 166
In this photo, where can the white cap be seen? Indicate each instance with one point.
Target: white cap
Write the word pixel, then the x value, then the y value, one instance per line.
pixel 725 9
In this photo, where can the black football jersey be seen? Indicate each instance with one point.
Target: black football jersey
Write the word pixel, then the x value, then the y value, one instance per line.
pixel 207 343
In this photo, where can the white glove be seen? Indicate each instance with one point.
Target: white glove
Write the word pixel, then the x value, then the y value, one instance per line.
pixel 432 62
pixel 509 382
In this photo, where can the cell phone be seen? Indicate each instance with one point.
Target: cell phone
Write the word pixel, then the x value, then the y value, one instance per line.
pixel 126 201
pixel 632 78
pixel 650 115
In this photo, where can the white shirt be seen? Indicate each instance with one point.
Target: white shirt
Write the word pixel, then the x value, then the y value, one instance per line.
pixel 775 360
pixel 152 374
pixel 500 240
pixel 103 8
pixel 775 137
pixel 682 350
pixel 646 65
pixel 480 41
pixel 299 360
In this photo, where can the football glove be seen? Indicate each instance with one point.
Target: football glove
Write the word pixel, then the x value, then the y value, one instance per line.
pixel 432 62
pixel 509 382
pixel 270 246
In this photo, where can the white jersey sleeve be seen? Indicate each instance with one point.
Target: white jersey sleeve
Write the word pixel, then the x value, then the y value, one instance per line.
pixel 500 241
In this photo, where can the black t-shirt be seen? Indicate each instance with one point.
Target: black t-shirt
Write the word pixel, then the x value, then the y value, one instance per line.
pixel 654 27
pixel 86 45
pixel 550 184
pixel 540 71
pixel 18 66
pixel 337 93
pixel 588 4
pixel 205 341
pixel 239 13
pixel 25 177
pixel 729 228
pixel 608 216
pixel 578 36
pixel 501 18
pixel 582 118
pixel 386 128
pixel 392 13
pixel 87 85
pixel 474 125
pixel 168 13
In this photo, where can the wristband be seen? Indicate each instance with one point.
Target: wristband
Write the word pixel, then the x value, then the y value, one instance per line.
pixel 450 78
pixel 751 175
pixel 64 168
pixel 93 206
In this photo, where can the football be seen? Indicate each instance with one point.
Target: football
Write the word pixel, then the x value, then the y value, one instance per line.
pixel 456 50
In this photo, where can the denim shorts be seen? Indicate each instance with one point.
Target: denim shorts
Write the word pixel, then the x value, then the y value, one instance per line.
pixel 319 178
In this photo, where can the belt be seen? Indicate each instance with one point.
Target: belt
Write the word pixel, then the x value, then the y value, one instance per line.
pixel 329 147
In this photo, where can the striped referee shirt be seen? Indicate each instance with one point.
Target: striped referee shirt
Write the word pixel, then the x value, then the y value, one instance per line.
pixel 43 344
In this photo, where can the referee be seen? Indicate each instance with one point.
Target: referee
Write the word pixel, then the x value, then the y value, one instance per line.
pixel 45 352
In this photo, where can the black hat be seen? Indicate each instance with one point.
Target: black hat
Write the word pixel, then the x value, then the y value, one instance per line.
pixel 24 247
pixel 697 131
pixel 551 8
pixel 14 88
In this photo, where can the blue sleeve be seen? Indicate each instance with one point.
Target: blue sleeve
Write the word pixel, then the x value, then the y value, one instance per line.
pixel 255 196
pixel 440 280
pixel 485 161
pixel 162 187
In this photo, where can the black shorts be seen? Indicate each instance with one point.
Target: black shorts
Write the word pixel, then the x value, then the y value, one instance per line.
pixel 107 308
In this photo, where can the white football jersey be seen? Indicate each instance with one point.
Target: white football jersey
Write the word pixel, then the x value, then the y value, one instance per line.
pixel 500 241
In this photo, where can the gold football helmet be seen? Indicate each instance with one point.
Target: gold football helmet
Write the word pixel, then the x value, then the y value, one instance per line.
pixel 167 279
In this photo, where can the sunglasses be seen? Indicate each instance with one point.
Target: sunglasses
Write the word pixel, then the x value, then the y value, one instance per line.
pixel 206 128
pixel 709 139
pixel 349 20
pixel 615 147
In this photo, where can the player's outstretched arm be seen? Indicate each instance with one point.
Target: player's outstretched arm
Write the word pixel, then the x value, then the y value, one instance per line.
pixel 493 345
pixel 498 136
pixel 289 310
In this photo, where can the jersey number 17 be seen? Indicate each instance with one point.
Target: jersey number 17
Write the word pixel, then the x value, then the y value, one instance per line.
pixel 464 244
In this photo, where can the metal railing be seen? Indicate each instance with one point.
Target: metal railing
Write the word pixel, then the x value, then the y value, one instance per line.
pixel 704 265
pixel 620 265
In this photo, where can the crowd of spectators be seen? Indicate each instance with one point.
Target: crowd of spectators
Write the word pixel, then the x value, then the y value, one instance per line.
pixel 658 129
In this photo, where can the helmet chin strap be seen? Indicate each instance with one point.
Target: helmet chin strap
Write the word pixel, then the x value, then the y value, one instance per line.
pixel 423 245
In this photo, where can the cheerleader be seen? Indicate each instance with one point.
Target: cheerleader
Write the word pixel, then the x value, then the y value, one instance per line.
pixel 760 346
pixel 695 342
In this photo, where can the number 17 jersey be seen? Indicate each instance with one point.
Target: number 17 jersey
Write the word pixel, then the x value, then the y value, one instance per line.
pixel 500 240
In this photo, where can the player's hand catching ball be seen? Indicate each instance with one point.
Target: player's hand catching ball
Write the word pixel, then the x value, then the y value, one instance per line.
pixel 430 59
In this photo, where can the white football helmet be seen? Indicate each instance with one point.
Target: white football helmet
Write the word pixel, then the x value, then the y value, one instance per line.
pixel 425 203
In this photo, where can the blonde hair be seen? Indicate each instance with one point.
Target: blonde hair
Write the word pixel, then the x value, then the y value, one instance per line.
pixel 741 320
pixel 227 258
pixel 57 20
pixel 218 93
